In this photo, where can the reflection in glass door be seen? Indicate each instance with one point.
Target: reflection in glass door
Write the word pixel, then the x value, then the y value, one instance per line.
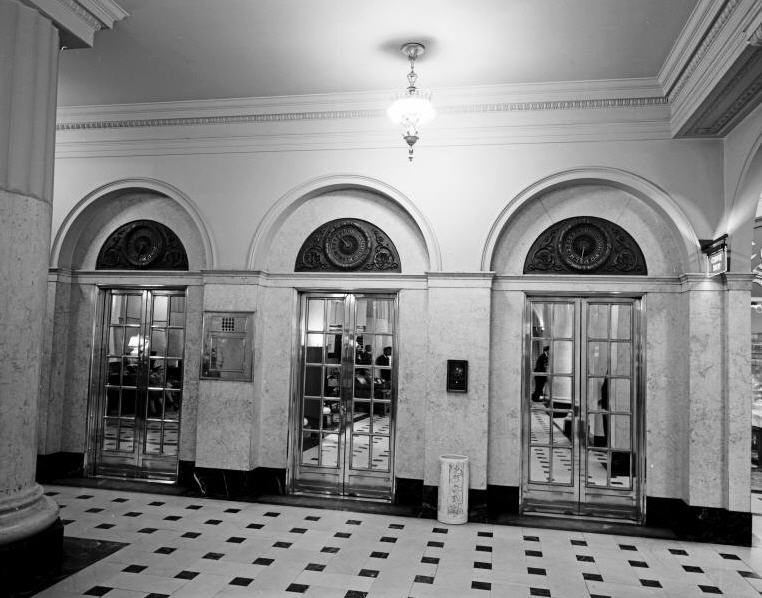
pixel 582 408
pixel 344 412
pixel 137 394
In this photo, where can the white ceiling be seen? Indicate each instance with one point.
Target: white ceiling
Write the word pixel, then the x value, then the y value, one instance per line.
pixel 169 50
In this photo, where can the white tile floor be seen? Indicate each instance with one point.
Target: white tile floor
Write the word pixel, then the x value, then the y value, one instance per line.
pixel 197 548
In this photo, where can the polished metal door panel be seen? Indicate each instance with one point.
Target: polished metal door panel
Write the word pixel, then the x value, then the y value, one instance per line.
pixel 344 412
pixel 582 408
pixel 137 396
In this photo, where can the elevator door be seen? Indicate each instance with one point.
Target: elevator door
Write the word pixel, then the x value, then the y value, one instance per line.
pixel 344 416
pixel 582 408
pixel 135 413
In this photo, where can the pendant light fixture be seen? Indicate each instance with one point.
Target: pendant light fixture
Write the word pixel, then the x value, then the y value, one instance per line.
pixel 412 107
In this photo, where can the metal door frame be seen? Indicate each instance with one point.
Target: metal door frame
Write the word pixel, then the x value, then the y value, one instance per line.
pixel 347 365
pixel 580 301
pixel 98 372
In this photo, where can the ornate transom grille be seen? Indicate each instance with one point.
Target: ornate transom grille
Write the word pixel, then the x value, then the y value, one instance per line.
pixel 142 245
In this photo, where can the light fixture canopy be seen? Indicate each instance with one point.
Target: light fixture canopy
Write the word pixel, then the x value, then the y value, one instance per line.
pixel 412 108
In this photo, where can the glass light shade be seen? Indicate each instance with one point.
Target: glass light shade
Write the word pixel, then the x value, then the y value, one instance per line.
pixel 411 110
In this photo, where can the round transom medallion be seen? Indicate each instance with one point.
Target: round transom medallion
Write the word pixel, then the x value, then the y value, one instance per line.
pixel 143 244
pixel 584 246
pixel 347 246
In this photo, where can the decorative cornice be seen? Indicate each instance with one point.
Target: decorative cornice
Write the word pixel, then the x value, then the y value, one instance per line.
pixel 79 20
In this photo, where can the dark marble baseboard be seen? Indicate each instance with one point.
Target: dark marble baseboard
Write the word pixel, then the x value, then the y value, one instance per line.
pixel 699 524
pixel 35 555
pixel 59 465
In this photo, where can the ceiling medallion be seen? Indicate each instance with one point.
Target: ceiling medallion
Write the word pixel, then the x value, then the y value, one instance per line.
pixel 348 245
pixel 585 245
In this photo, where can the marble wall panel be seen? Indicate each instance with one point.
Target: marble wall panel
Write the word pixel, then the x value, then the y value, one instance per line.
pixel 707 440
pixel 275 342
pixel 457 423
pixel 412 366
pixel 665 328
pixel 224 423
pixel 505 389
pixel 193 347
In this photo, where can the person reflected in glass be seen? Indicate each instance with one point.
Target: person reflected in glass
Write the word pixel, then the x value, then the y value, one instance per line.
pixel 539 381
pixel 364 356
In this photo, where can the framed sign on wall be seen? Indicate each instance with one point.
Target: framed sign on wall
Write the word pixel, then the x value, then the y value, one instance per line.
pixel 457 375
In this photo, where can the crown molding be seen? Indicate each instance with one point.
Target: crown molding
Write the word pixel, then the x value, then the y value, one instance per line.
pixel 79 20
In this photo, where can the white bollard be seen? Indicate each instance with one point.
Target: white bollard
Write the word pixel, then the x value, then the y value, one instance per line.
pixel 453 489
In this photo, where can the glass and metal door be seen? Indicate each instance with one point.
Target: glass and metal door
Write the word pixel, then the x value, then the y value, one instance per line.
pixel 582 408
pixel 343 424
pixel 137 391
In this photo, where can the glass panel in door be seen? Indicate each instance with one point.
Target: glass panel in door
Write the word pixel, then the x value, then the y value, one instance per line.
pixel 138 395
pixel 344 412
pixel 580 408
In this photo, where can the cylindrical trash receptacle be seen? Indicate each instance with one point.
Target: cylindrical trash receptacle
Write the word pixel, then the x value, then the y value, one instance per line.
pixel 453 489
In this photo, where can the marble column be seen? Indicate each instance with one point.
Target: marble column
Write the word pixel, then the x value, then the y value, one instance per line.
pixel 29 47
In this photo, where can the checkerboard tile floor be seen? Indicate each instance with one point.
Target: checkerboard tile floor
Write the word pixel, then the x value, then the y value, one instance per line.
pixel 194 548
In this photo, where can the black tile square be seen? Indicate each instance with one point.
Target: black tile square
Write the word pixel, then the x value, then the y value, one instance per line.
pixel 484 534
pixel 368 573
pixel 147 530
pixel 592 577
pixel 331 549
pixel 423 579
pixel 710 589
pixel 186 575
pixel 263 561
pixel 314 567
pixel 729 556
pixel 194 507
pixel 693 569
pixel 539 592
pixel 155 595
pixel 191 535
pixel 578 543
pixel 133 514
pixel 641 564
pixel 536 571
pixel 241 581
pixel 396 526
pixel 120 499
pixel 213 556
pixel 678 551
pixel 232 510
pixel 85 496
pixel 483 548
pixel 599 596
pixel 430 560
pixel 533 553
pixel 299 530
pixel 235 539
pixel 482 565
pixel 627 547
pixel 650 583
pixel 585 558
pixel 104 526
pixel 388 539
pixel 379 555
pixel 51 493
pixel 748 574
pixel 271 514
pixel 353 522
pixel 94 510
pixel 165 550
pixel 481 585
pixel 255 526
pixel 311 518
pixel 172 518
pixel 434 544
pixel 156 503
pixel 341 535
pixel 355 594
pixel 213 521
pixel 280 544
pixel 67 521
pixel 299 588
pixel 531 539
pixel 98 591
pixel 439 530
pixel 134 568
